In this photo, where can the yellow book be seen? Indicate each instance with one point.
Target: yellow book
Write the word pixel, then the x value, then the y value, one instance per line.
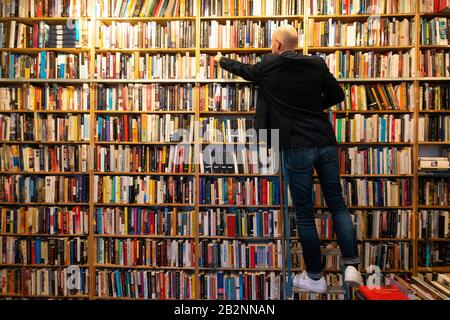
pixel 136 65
pixel 182 8
pixel 125 213
pixel 144 9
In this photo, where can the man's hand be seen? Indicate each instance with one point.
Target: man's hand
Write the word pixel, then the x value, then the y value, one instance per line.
pixel 218 57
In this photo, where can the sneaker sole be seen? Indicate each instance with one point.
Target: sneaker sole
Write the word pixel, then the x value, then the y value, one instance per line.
pixel 353 283
pixel 308 289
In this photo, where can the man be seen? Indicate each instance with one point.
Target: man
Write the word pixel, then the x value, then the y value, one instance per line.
pixel 296 89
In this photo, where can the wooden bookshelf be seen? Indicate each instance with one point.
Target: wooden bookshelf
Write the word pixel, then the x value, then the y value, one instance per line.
pixel 197 82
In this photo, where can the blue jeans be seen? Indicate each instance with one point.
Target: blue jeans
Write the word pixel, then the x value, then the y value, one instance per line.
pixel 299 164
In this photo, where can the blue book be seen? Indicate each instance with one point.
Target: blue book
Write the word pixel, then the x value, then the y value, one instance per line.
pixel 43 65
pixel 62 70
pixel 107 121
pixel 38 251
pixel 225 191
pixel 110 102
pixel 220 284
pixel 118 284
pixel 12 72
pixel 99 221
pixel 99 128
pixel 77 31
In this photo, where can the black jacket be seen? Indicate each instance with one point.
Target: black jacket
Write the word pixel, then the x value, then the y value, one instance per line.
pixel 294 91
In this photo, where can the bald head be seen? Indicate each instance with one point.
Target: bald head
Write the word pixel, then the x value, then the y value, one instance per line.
pixel 284 38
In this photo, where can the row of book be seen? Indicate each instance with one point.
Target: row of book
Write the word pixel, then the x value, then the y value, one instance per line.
pixel 388 256
pixel 46 97
pixel 354 7
pixel 45 8
pixel 44 281
pixel 146 8
pixel 238 159
pixel 209 69
pixel 145 252
pixel 373 32
pixel 239 223
pixel 435 31
pixel 368 224
pixel 44 65
pixel 373 128
pixel 17 127
pixel 47 251
pixel 435 63
pixel 222 285
pixel 144 158
pixel 434 97
pixel 145 284
pixel 391 64
pixel 72 127
pixel 146 66
pixel 227 97
pixel 48 189
pixel 15 34
pixel 123 35
pixel 243 33
pixel 433 254
pixel 434 191
pixel 433 127
pixel 239 191
pixel 49 127
pixel 143 221
pixel 376 160
pixel 331 258
pixel 144 190
pixel 44 158
pixel 232 8
pixel 224 129
pixel 145 128
pixel 377 97
pixel 239 254
pixel 145 97
pixel 44 220
pixel 373 192
pixel 433 224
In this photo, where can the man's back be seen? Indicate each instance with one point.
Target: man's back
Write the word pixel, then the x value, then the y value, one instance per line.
pixel 295 89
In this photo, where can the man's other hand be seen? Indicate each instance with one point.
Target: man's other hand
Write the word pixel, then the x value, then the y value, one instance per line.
pixel 218 57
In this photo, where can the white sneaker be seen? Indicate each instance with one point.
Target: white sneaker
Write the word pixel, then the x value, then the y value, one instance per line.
pixel 353 277
pixel 302 281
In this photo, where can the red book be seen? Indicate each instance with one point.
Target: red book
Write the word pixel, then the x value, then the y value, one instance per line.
pixel 231 225
pixel 152 222
pixel 382 293
pixel 252 256
pixel 264 192
pixel 125 127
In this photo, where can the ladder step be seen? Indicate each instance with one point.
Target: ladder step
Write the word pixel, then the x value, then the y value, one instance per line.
pixel 330 290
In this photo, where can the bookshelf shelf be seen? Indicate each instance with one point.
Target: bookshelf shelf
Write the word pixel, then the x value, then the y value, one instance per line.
pixel 49 20
pixel 114 266
pixel 109 20
pixel 434 240
pixel 142 112
pixel 442 207
pixel 182 205
pixel 63 111
pixel 40 173
pixel 252 18
pixel 139 143
pixel 430 79
pixel 146 236
pixel 46 204
pixel 427 47
pixel 241 269
pixel 360 48
pixel 237 175
pixel 41 266
pixel 434 143
pixel 434 269
pixel 43 81
pixel 376 143
pixel 37 50
pixel 44 235
pixel 44 142
pixel 118 81
pixel 372 111
pixel 146 50
pixel 45 296
pixel 238 206
pixel 434 14
pixel 353 17
pixel 227 113
pixel 235 50
pixel 349 175
pixel 16 111
pixel 246 238
pixel 119 173
pixel 434 111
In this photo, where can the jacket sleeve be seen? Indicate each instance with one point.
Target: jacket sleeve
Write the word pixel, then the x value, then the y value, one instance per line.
pixel 332 91
pixel 250 72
